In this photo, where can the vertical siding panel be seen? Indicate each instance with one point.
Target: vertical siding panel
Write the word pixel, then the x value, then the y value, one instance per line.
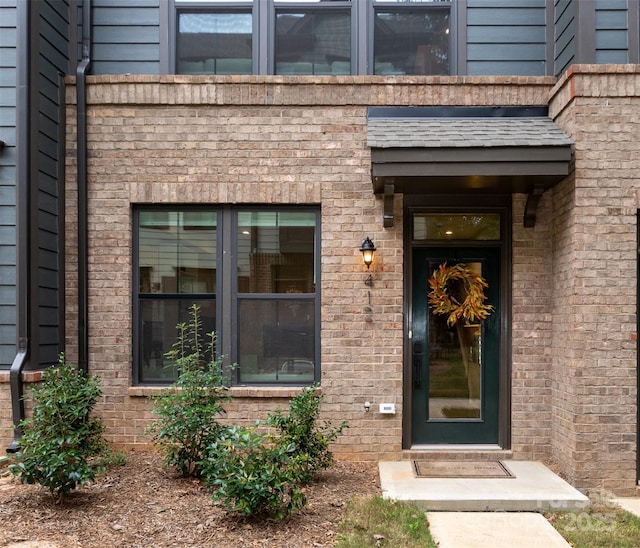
pixel 564 35
pixel 53 52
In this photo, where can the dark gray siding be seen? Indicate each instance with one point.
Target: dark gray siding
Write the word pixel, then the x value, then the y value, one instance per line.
pixel 7 182
pixel 564 35
pixel 506 37
pixel 126 36
pixel 47 210
pixel 611 31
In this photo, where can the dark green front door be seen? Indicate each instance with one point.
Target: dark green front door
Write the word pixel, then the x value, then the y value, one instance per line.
pixel 454 369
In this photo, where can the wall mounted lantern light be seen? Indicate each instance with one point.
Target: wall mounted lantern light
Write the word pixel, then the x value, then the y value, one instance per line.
pixel 367 250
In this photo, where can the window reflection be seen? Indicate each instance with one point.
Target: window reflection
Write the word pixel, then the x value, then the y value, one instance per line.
pixel 177 252
pixel 463 226
pixel 276 252
pixel 277 299
pixel 455 362
pixel 158 321
pixel 214 42
pixel 313 41
pixel 276 341
pixel 411 41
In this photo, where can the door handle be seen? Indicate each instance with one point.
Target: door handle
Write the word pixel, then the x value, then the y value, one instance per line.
pixel 417 365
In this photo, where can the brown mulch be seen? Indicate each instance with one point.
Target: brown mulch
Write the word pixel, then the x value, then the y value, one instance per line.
pixel 144 504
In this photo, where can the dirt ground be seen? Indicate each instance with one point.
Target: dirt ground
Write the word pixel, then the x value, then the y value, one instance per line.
pixel 144 504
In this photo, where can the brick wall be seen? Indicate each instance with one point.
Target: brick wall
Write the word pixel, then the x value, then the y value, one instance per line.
pixel 595 258
pixel 531 331
pixel 259 139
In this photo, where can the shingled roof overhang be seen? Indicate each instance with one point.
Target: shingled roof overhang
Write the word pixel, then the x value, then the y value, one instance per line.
pixel 479 150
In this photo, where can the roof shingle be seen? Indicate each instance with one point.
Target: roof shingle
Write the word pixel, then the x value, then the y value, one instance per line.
pixel 464 132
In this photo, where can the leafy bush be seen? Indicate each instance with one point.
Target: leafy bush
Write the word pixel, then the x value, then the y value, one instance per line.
pixel 300 427
pixel 188 410
pixel 254 474
pixel 61 443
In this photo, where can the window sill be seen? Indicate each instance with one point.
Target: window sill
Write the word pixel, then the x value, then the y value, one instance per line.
pixel 27 376
pixel 235 391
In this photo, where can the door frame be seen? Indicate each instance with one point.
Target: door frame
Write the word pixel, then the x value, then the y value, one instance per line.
pixel 460 204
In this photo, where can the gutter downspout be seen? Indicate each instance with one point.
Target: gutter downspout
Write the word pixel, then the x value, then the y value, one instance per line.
pixel 23 183
pixel 81 114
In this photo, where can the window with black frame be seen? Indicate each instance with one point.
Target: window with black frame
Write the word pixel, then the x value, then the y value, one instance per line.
pixel 176 255
pixel 270 272
pixel 314 38
pixel 215 38
pixel 411 37
pixel 277 303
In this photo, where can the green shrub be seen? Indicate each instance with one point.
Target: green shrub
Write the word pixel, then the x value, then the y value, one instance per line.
pixel 61 444
pixel 300 427
pixel 188 410
pixel 254 474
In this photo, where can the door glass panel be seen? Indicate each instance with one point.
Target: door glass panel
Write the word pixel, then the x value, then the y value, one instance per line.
pixel 461 226
pixel 455 364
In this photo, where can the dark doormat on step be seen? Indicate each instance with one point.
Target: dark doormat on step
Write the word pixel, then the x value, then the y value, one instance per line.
pixel 460 469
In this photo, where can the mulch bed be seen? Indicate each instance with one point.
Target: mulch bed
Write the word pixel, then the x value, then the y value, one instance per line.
pixel 144 504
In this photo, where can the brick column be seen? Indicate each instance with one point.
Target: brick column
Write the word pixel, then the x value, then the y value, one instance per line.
pixel 595 279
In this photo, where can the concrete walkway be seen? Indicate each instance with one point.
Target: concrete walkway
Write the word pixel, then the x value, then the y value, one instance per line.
pixel 493 530
pixel 630 504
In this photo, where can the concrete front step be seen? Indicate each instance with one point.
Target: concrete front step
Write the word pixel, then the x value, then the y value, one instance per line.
pixel 533 489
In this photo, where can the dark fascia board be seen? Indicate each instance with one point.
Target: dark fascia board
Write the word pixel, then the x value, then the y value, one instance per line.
pixel 481 155
pixel 467 185
pixel 512 169
pixel 531 111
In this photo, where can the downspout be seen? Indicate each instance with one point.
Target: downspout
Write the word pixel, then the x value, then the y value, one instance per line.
pixel 23 183
pixel 81 113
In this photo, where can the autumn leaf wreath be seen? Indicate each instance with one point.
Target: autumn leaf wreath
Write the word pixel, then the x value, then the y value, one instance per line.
pixel 467 303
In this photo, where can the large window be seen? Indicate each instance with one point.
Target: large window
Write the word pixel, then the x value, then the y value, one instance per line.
pixel 298 37
pixel 259 294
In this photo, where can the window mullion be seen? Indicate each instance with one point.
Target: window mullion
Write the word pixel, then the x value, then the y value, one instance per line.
pixel 228 289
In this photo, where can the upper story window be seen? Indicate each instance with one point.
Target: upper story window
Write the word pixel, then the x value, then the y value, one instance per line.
pixel 296 37
pixel 214 39
pixel 313 37
pixel 411 37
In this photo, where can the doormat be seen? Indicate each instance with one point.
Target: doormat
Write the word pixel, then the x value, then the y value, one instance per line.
pixel 460 469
